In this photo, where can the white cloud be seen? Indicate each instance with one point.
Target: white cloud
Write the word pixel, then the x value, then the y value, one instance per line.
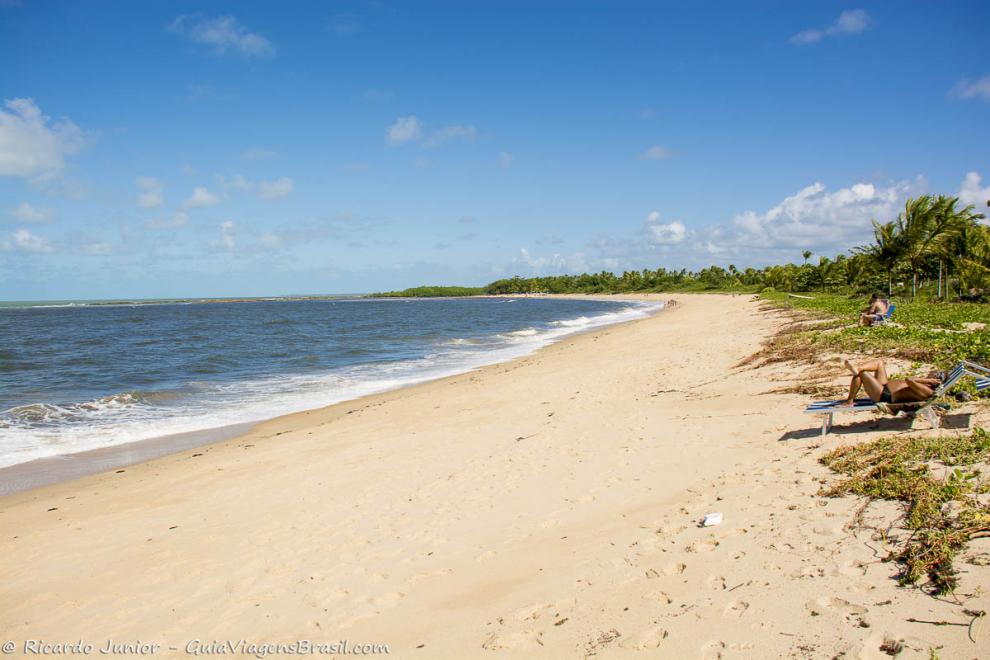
pixel 505 159
pixel 456 132
pixel 656 152
pixel 555 263
pixel 275 189
pixel 31 145
pixel 201 197
pixel 972 89
pixel 24 241
pixel 237 183
pixel 179 219
pixel 223 33
pixel 411 129
pixel 813 218
pixel 659 233
pixel 226 234
pixel 404 130
pixel 255 153
pixel 970 191
pixel 849 22
pixel 151 192
pixel 32 214
pixel 826 222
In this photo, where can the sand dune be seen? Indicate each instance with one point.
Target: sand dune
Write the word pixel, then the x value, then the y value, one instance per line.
pixel 546 507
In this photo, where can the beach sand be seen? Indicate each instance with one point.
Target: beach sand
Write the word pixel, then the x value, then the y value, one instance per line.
pixel 547 507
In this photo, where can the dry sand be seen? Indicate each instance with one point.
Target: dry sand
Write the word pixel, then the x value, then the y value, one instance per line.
pixel 547 507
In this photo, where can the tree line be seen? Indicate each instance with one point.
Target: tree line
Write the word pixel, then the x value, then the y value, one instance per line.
pixel 934 246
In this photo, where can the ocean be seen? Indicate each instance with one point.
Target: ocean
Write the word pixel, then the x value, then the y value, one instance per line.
pixel 80 376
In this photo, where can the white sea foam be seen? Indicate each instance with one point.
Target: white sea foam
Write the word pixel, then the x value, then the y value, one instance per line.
pixel 40 430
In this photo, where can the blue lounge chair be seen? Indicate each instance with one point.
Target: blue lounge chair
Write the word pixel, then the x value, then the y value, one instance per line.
pixel 880 319
pixel 926 409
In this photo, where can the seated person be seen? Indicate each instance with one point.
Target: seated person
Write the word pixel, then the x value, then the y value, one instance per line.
pixel 875 311
pixel 872 376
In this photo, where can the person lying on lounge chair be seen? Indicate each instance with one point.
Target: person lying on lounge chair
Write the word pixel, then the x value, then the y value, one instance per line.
pixel 872 377
pixel 875 311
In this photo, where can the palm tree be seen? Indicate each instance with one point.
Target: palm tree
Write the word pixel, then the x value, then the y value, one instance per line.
pixel 923 224
pixel 915 226
pixel 807 255
pixel 886 250
pixel 855 269
pixel 823 271
pixel 960 240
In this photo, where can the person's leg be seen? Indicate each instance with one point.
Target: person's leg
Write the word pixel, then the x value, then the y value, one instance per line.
pixel 875 367
pixel 872 376
pixel 872 385
pixel 854 386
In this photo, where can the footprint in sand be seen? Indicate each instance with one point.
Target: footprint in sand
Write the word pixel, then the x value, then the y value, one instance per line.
pixel 832 605
pixel 658 597
pixel 736 608
pixel 530 613
pixel 650 638
pixel 487 555
pixel 851 567
pixel 707 545
pixel 673 568
pixel 716 582
pixel 518 640
pixel 835 530
pixel 810 572
pixel 712 650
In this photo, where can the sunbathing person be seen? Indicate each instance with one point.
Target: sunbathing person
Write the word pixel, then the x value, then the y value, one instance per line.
pixel 874 311
pixel 872 377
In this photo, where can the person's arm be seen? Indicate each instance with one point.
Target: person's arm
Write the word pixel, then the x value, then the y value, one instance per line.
pixel 919 387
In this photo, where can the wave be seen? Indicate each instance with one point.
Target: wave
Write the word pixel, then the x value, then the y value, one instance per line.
pixel 44 429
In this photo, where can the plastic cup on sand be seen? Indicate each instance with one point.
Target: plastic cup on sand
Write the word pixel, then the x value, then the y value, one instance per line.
pixel 712 519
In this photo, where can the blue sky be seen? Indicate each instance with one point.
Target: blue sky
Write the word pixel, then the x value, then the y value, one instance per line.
pixel 158 149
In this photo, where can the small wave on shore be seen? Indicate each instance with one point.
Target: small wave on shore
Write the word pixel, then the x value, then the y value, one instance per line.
pixel 211 392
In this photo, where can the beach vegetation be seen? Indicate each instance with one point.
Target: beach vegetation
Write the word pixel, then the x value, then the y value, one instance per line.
pixel 432 292
pixel 930 332
pixel 939 480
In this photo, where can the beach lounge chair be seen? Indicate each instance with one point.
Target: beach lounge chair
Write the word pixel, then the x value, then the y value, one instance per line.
pixel 884 318
pixel 926 409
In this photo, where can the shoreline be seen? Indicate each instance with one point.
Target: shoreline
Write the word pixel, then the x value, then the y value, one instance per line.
pixel 548 506
pixel 58 468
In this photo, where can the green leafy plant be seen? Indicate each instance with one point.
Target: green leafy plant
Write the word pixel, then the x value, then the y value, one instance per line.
pixel 943 514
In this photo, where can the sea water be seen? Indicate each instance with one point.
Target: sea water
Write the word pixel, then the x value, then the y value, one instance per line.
pixel 84 375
